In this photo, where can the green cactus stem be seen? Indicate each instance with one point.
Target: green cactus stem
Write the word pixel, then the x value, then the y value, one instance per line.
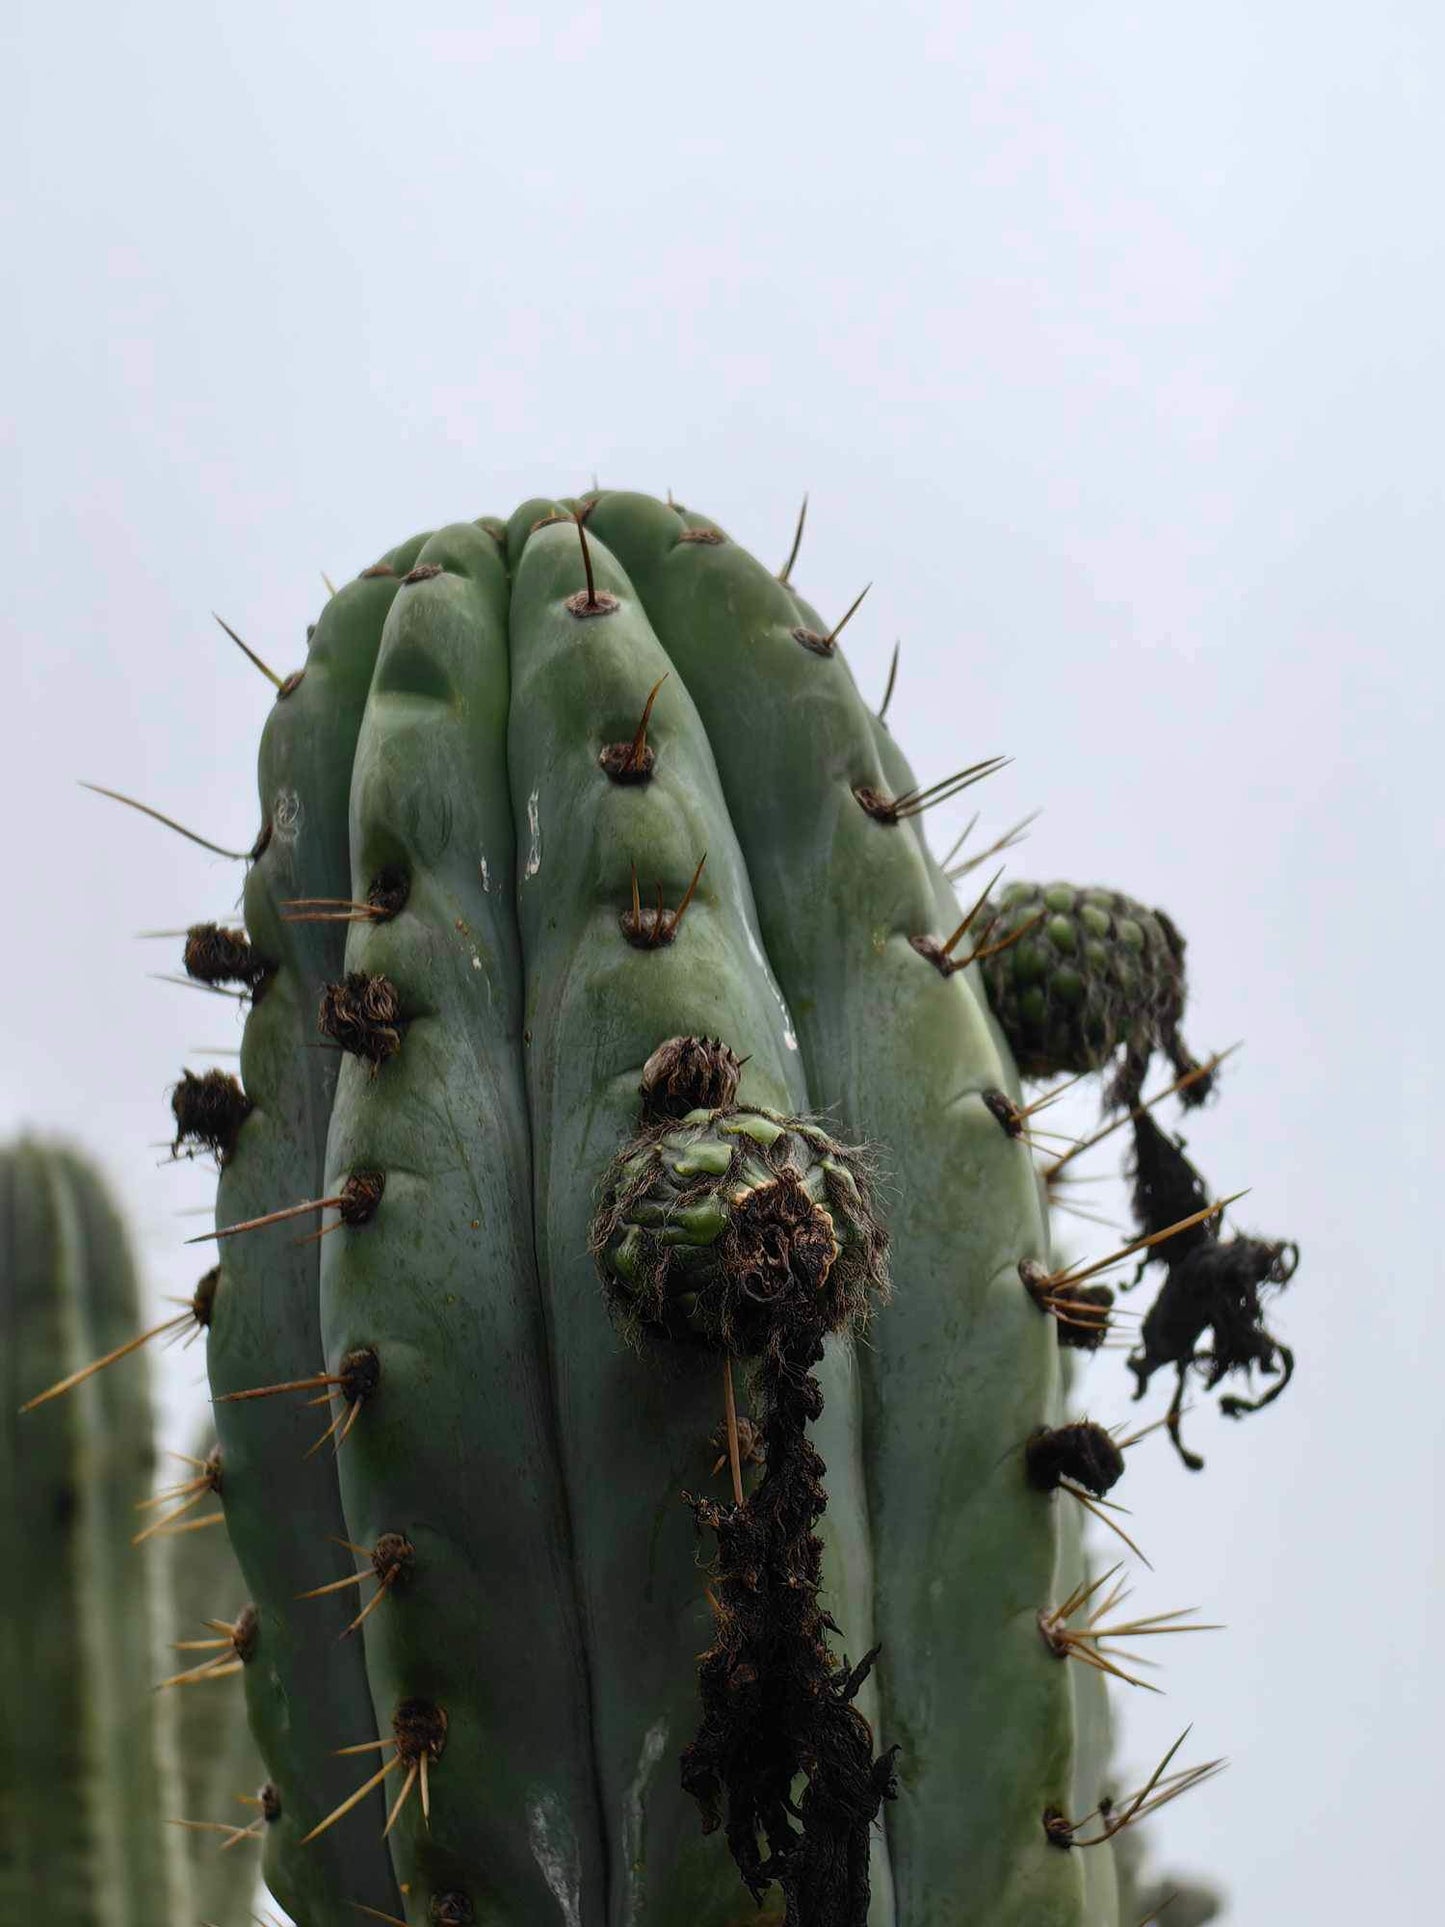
pixel 87 1770
pixel 454 1446
pixel 636 1432
pixel 960 1368
pixel 267 1323
pixel 591 919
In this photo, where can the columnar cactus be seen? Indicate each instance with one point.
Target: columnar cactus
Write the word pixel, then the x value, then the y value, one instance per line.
pixel 613 1035
pixel 87 1769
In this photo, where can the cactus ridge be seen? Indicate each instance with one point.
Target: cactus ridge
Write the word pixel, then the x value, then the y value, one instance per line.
pixel 266 1325
pixel 958 1363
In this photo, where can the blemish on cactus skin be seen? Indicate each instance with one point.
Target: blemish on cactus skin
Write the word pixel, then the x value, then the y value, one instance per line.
pixel 555 1850
pixel 287 811
pixel 653 1745
pixel 534 832
pixel 209 1111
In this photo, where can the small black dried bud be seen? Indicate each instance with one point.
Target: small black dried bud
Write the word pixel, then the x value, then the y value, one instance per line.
pixel 214 955
pixel 1000 1105
pixel 420 1728
pixel 270 1800
pixel 689 1074
pixel 244 1634
pixel 388 892
pixel 392 1557
pixel 452 1910
pixel 1058 1830
pixel 363 1014
pixel 211 1471
pixel 360 1196
pixel 1080 1311
pixel 209 1111
pixel 360 1374
pixel 1082 1452
pixel 203 1298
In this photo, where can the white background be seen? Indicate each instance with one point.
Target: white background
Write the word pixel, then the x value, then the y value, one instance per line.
pixel 1105 337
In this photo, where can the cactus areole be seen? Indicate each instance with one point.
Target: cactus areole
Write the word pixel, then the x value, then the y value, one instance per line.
pixel 624 1549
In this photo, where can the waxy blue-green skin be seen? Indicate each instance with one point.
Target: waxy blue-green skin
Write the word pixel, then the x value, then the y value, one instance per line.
pixel 305 1688
pixel 458 1450
pixel 962 1367
pixel 636 1427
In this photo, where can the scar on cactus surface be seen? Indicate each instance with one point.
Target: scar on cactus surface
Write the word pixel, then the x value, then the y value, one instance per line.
pixel 553 802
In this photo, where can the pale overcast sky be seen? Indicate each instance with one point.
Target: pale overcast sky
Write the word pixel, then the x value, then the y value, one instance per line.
pixel 1106 338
